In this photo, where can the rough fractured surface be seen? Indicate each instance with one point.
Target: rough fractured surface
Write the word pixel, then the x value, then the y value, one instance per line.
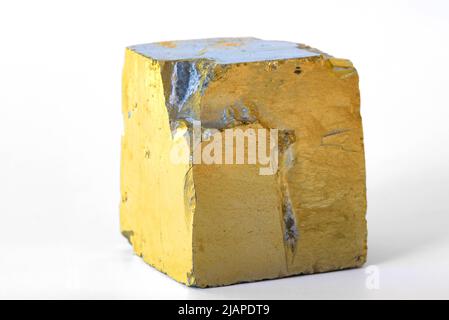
pixel 210 225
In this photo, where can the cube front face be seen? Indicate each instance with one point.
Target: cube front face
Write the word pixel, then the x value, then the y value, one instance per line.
pixel 222 223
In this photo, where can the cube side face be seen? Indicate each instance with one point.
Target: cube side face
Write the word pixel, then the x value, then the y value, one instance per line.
pixel 238 231
pixel 153 212
pixel 310 215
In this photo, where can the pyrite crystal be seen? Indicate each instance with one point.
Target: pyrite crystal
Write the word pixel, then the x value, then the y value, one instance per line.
pixel 204 216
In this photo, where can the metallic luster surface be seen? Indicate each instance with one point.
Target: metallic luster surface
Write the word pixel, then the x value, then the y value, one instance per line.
pixel 223 50
pixel 218 224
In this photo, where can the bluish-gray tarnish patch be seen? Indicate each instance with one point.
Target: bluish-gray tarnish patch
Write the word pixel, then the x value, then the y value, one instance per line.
pixel 224 50
pixel 227 116
pixel 188 80
pixel 291 230
pixel 185 82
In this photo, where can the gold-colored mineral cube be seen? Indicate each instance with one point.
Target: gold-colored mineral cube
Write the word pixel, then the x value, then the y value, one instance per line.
pixel 242 160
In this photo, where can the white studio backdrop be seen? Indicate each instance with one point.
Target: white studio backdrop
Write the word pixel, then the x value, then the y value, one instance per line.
pixel 60 128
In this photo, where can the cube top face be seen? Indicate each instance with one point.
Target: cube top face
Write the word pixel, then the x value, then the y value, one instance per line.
pixel 224 50
pixel 216 223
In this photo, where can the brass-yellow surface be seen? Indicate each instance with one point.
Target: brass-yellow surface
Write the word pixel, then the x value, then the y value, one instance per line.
pixel 211 225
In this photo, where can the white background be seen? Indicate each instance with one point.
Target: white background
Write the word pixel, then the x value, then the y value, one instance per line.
pixel 60 128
